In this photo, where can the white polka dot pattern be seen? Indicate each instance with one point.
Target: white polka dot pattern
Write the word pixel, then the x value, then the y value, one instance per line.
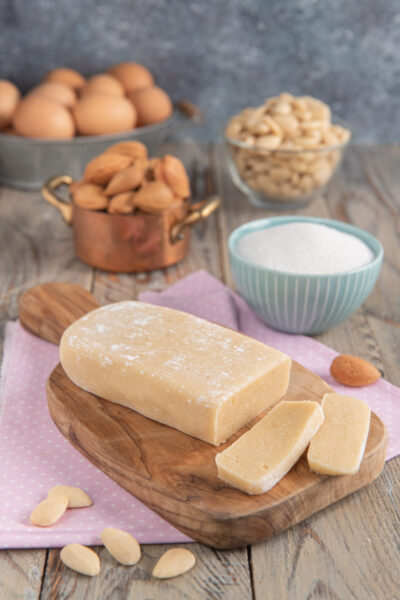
pixel 34 456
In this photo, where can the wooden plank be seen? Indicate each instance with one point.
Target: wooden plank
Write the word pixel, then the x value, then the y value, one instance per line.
pixel 35 247
pixel 335 554
pixel 218 575
pixel 21 574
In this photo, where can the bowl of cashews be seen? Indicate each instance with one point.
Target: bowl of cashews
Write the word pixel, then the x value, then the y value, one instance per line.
pixel 283 153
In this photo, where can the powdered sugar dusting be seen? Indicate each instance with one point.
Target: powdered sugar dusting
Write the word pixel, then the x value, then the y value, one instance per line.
pixel 202 362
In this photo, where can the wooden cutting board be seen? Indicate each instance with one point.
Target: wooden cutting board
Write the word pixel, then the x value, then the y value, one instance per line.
pixel 171 472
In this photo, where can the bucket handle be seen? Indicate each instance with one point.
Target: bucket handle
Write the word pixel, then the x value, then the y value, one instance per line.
pixel 48 193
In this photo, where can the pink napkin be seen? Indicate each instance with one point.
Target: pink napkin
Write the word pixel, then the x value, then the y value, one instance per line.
pixel 34 456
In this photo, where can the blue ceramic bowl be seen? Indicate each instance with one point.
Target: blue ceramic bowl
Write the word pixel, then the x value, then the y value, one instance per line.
pixel 303 303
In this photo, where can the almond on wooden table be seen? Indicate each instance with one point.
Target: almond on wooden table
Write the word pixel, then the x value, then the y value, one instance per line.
pixel 121 545
pixel 81 559
pixel 174 562
pixel 102 168
pixel 90 196
pixel 49 511
pixel 353 371
pixel 77 498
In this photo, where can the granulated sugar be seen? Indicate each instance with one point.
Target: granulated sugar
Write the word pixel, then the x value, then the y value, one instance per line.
pixel 307 248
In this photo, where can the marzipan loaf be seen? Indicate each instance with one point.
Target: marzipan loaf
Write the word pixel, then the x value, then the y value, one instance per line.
pixel 198 377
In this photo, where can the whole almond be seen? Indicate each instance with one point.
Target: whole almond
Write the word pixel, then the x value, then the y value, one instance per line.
pixel 77 498
pixel 133 149
pixel 121 204
pixel 174 562
pixel 353 371
pixel 127 179
pixel 153 197
pixel 103 167
pixel 74 187
pixel 90 196
pixel 121 545
pixel 81 559
pixel 171 171
pixel 49 511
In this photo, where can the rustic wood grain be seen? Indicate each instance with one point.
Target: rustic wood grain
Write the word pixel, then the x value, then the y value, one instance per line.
pixel 36 246
pixel 21 573
pixel 176 476
pixel 217 575
pixel 47 310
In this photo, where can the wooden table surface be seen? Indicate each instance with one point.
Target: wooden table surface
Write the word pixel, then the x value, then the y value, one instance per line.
pixel 348 551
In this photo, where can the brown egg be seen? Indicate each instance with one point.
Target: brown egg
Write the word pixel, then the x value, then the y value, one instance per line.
pixel 9 98
pixel 56 92
pixel 97 114
pixel 39 117
pixel 132 76
pixel 152 105
pixel 103 84
pixel 67 76
pixel 9 131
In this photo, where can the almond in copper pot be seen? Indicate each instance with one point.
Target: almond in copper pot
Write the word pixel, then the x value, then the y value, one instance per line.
pixel 102 168
pixel 127 179
pixel 121 204
pixel 90 196
pixel 153 197
pixel 133 149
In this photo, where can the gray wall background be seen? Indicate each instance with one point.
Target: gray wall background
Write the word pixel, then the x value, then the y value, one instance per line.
pixel 223 54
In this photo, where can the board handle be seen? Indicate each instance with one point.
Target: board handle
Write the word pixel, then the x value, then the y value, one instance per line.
pixel 47 310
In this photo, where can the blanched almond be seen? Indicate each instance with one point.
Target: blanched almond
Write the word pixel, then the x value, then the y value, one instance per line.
pixel 153 197
pixel 49 511
pixel 133 149
pixel 121 545
pixel 127 179
pixel 121 204
pixel 90 196
pixel 77 498
pixel 103 167
pixel 174 562
pixel 81 559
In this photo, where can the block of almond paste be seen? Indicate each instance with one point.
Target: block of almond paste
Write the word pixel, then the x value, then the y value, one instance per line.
pixel 265 453
pixel 198 377
pixel 339 445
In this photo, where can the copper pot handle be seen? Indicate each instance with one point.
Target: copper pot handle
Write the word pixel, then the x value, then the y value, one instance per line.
pixel 48 193
pixel 198 212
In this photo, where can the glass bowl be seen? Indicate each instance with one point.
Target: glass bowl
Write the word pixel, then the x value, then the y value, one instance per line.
pixel 281 179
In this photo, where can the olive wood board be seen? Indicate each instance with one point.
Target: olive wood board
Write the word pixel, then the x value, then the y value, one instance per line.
pixel 175 474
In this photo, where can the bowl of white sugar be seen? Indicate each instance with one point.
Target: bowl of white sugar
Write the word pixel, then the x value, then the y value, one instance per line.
pixel 304 274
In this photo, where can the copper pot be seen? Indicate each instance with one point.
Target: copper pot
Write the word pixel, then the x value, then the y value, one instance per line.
pixel 129 243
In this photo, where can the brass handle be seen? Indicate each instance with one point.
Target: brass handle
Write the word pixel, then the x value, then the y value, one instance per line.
pixel 48 193
pixel 198 212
